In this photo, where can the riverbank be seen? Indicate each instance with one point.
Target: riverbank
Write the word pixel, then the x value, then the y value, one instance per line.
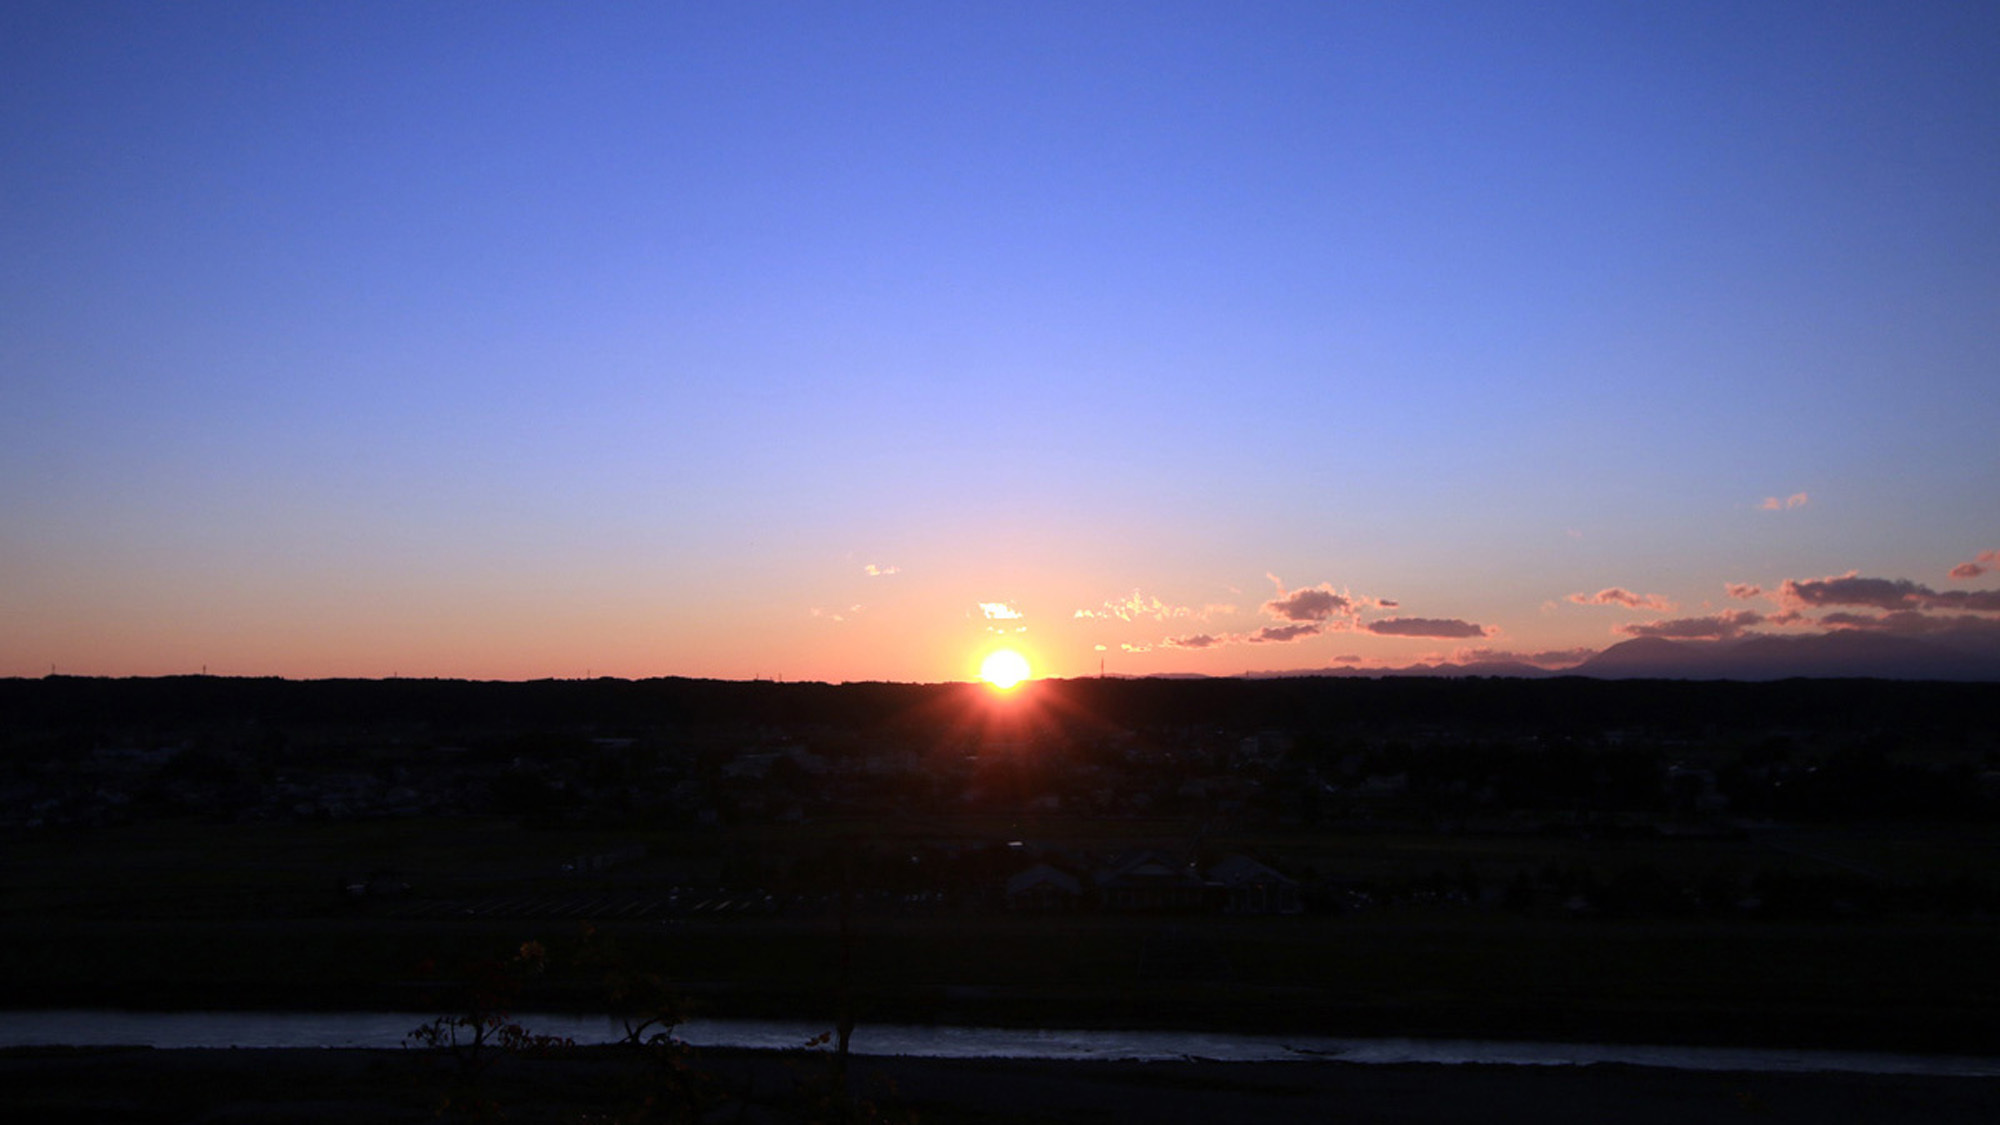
pixel 141 1086
pixel 108 1028
pixel 1909 987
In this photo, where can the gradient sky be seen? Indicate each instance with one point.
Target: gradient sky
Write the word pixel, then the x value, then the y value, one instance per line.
pixel 842 341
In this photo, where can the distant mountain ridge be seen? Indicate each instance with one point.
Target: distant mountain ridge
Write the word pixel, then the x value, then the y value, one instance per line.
pixel 1961 655
pixel 1965 655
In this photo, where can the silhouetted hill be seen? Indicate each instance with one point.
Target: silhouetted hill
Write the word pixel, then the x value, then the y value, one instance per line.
pixel 1642 656
pixel 1964 656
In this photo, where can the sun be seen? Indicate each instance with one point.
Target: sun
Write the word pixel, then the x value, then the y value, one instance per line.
pixel 1004 668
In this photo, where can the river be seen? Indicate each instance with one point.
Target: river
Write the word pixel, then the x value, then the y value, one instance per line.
pixel 88 1027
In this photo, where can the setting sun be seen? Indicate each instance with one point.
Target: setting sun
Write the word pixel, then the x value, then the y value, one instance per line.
pixel 1004 668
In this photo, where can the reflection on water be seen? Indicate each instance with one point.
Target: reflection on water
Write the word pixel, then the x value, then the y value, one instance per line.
pixel 84 1028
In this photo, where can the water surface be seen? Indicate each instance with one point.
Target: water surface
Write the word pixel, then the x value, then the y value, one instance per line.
pixel 89 1027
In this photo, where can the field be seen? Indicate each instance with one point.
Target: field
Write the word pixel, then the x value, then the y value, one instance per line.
pixel 141 1087
pixel 183 914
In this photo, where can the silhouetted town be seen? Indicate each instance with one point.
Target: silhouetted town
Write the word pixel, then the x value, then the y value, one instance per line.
pixel 1789 865
pixel 949 798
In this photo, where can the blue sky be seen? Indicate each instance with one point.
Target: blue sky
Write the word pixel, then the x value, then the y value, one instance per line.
pixel 520 340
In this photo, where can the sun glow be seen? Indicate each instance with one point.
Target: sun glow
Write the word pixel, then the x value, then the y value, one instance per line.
pixel 1004 668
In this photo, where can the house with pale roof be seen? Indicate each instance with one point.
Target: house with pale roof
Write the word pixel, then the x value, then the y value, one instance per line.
pixel 1153 881
pixel 1043 889
pixel 1250 887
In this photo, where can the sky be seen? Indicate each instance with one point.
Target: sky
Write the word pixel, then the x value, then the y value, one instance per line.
pixel 850 341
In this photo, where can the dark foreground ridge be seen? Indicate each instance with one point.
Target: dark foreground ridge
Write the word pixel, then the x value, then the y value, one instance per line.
pixel 1807 863
pixel 1562 703
pixel 336 1087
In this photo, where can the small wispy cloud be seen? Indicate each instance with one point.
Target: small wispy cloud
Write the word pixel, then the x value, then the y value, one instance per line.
pixel 1981 563
pixel 1744 590
pixel 1795 500
pixel 873 571
pixel 1618 595
pixel 1140 606
pixel 999 611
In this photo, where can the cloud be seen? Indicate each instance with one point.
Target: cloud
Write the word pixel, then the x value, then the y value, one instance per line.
pixel 873 571
pixel 1316 603
pixel 1884 593
pixel 1347 659
pixel 1978 601
pixel 1425 627
pixel 1279 634
pixel 1795 500
pixel 1315 610
pixel 1135 648
pixel 1141 606
pixel 1552 658
pixel 1850 589
pixel 1616 595
pixel 1321 603
pixel 1717 627
pixel 1871 621
pixel 999 611
pixel 1909 622
pixel 1269 634
pixel 1983 562
pixel 1743 590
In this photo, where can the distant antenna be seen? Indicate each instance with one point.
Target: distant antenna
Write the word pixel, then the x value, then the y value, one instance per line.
pixel 1100 667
